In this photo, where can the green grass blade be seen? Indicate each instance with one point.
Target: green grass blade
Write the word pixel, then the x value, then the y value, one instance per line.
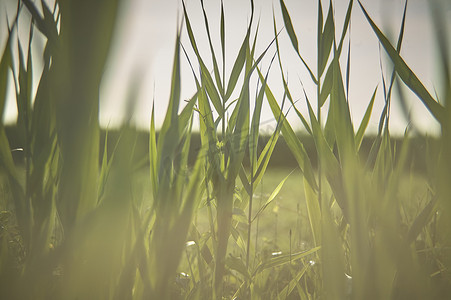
pixel 81 54
pixel 327 86
pixel 206 78
pixel 211 88
pixel 237 66
pixel 251 55
pixel 190 30
pixel 314 212
pixel 22 101
pixel 181 158
pixel 207 126
pixel 30 69
pixel 286 291
pixel 5 65
pixel 345 26
pixel 213 55
pixel 365 121
pixel 245 181
pixel 422 220
pixel 319 29
pixel 104 169
pixel 169 133
pixel 289 26
pixel 240 134
pixel 185 116
pixel 273 196
pixel 348 69
pixel 293 38
pixel 327 39
pixel 234 263
pixel 223 34
pixel 265 155
pixel 153 154
pixel 285 84
pixel 344 131
pixel 329 162
pixel 385 112
pixel 255 125
pixel 292 140
pixel 406 74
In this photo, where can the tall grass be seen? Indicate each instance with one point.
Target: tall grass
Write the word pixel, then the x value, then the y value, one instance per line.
pixel 76 226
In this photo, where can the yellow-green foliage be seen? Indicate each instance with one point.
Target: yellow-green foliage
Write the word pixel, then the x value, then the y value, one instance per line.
pixel 77 227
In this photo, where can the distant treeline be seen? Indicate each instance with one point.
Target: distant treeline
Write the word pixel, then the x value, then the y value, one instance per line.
pixel 281 157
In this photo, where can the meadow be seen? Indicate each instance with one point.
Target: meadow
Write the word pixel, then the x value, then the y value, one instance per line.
pixel 89 214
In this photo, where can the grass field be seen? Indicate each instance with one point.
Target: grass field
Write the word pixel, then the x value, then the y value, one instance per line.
pixel 85 221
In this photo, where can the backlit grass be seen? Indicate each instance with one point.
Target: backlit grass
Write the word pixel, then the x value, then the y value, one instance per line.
pixel 76 224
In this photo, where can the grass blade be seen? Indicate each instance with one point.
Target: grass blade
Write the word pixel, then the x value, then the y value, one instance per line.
pixel 345 26
pixel 365 121
pixel 286 291
pixel 153 154
pixel 272 196
pixel 293 38
pixel 327 86
pixel 289 26
pixel 206 79
pixel 237 66
pixel 406 74
pixel 314 213
pixel 290 137
pixel 213 55
pixel 327 38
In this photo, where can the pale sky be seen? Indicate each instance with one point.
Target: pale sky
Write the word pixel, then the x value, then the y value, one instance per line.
pixel 145 40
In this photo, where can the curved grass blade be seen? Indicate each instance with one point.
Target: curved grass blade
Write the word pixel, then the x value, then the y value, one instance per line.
pixel 169 135
pixel 237 66
pixel 234 263
pixel 331 166
pixel 406 74
pixel 265 155
pixel 345 26
pixel 206 79
pixel 255 124
pixel 290 137
pixel 327 38
pixel 289 26
pixel 314 212
pixel 285 84
pixel 385 111
pixel 365 121
pixel 212 51
pixel 327 86
pixel 344 131
pixel 272 196
pixel 293 38
pixel 422 220
pixel 286 291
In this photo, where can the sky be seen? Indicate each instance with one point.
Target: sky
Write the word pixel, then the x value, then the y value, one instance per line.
pixel 144 43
